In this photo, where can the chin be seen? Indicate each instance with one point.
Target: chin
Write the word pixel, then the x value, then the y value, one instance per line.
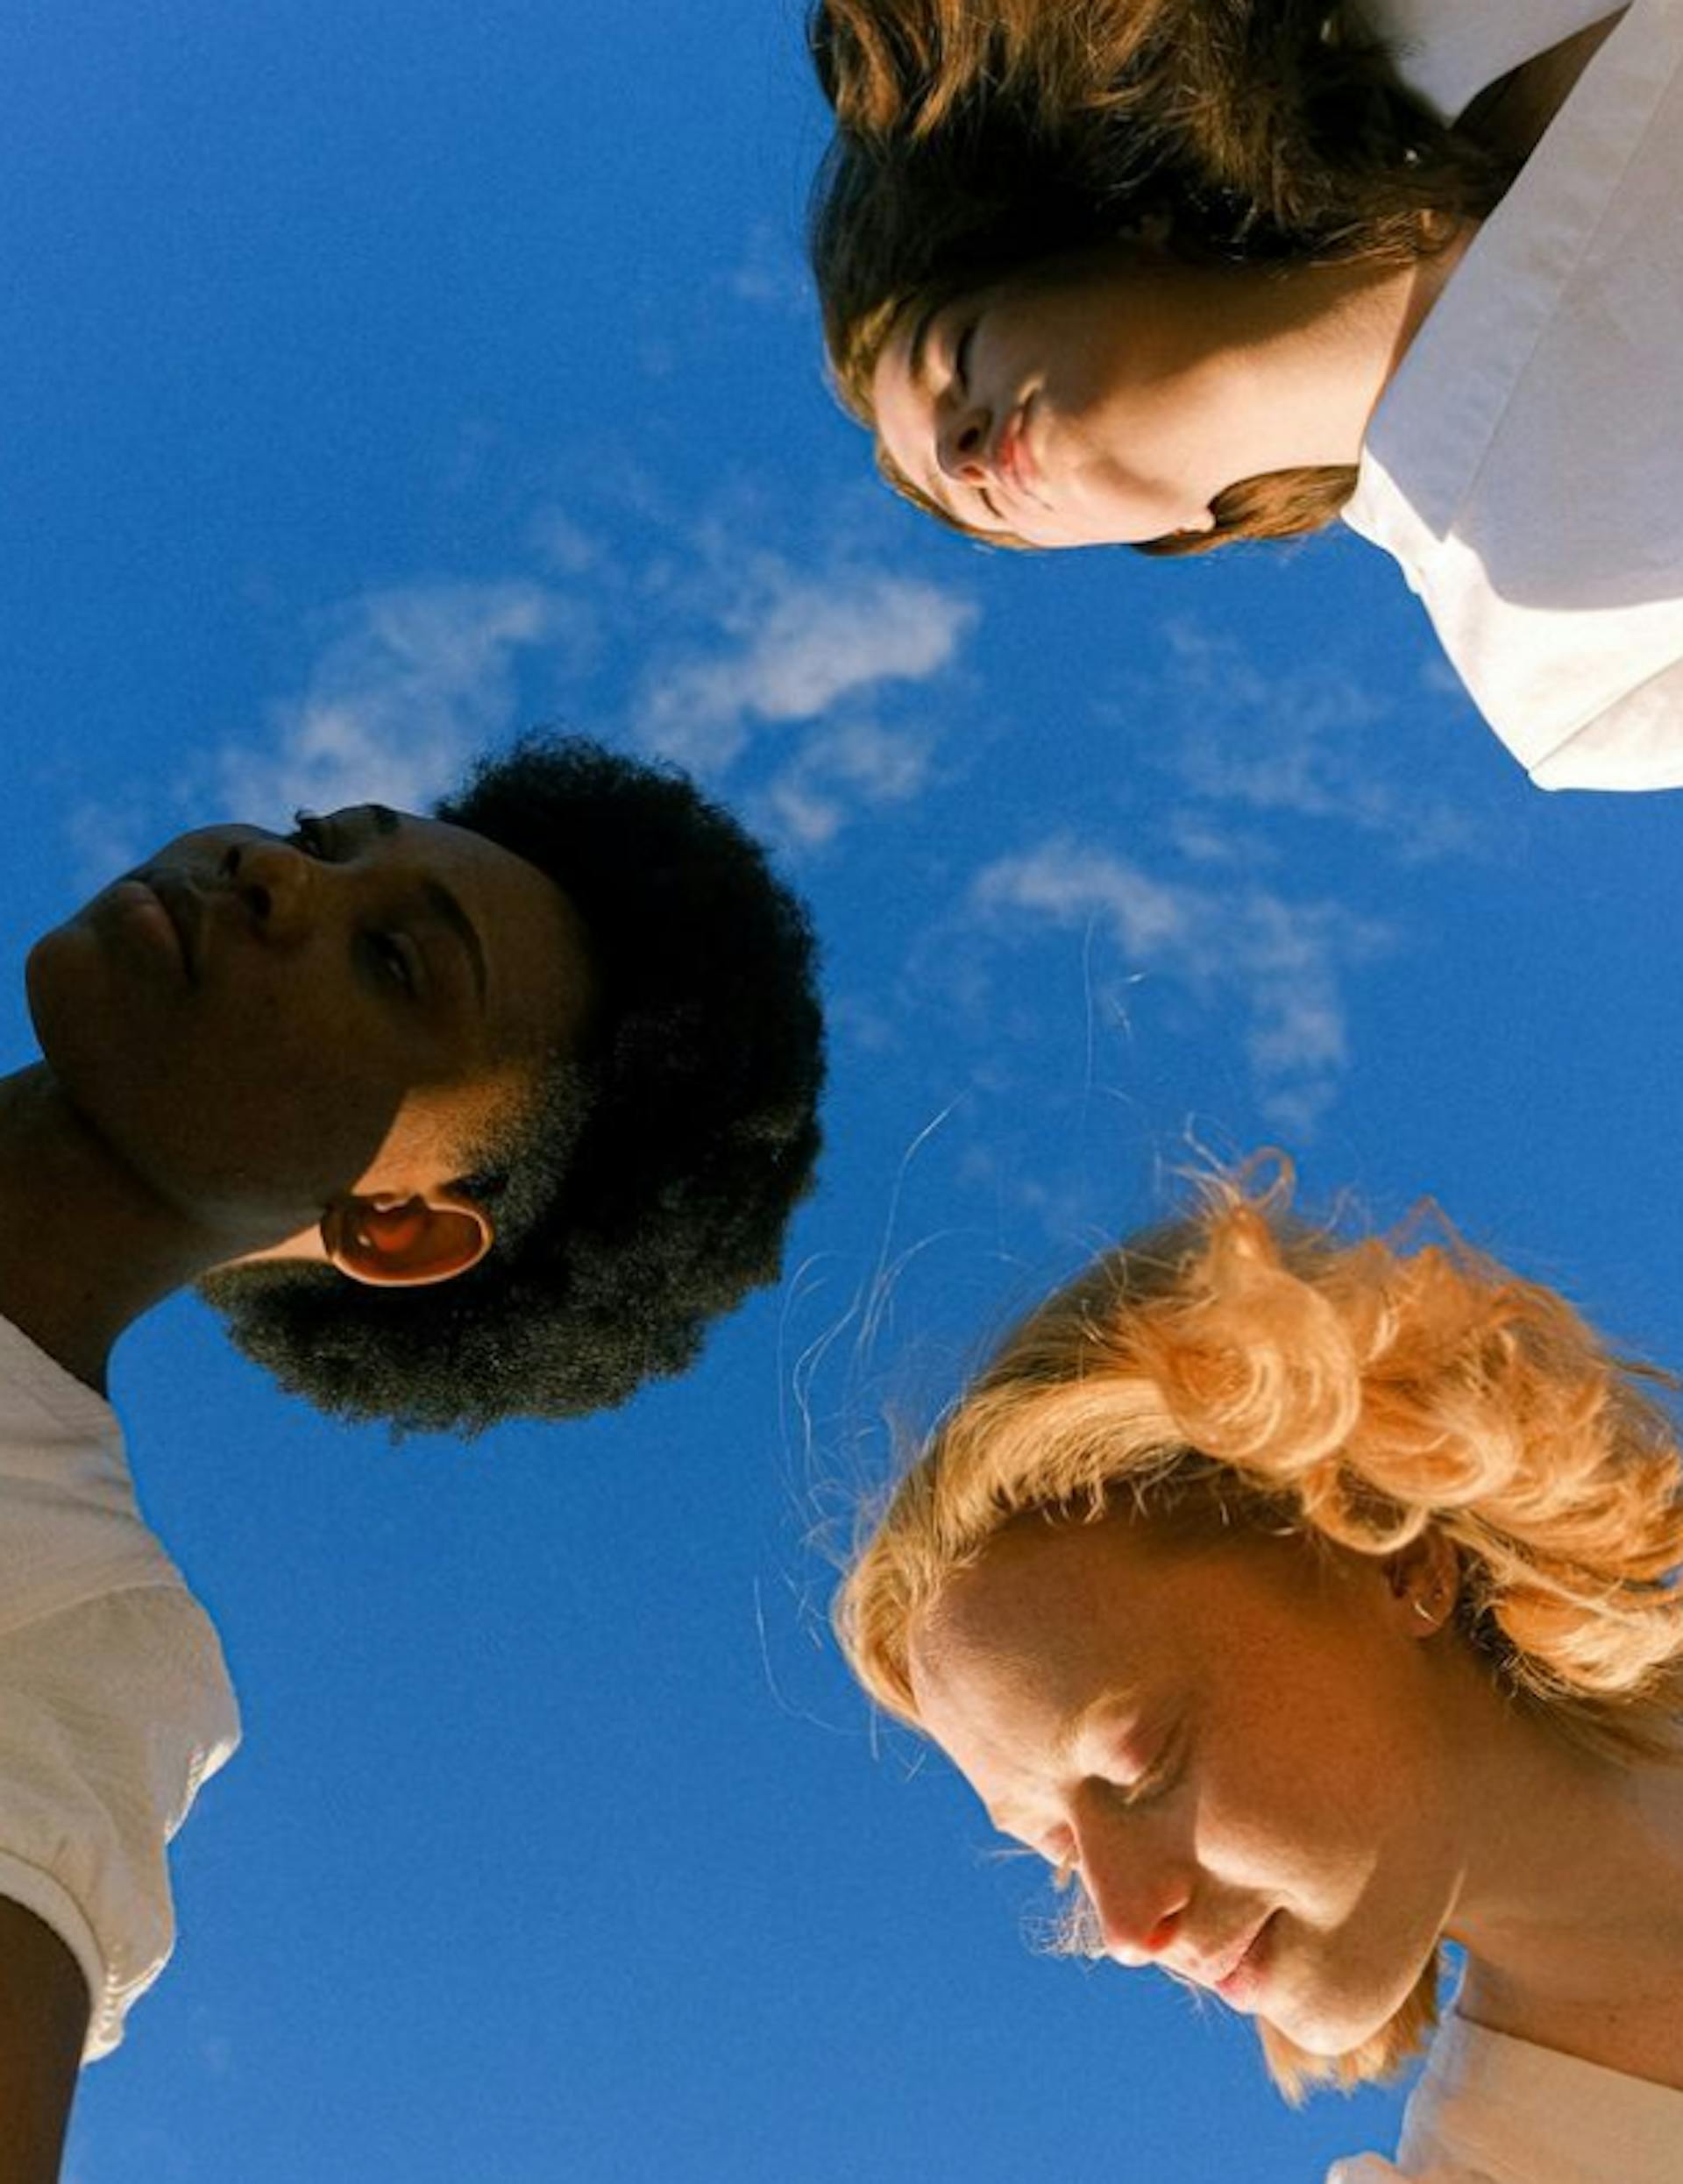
pixel 1334 2019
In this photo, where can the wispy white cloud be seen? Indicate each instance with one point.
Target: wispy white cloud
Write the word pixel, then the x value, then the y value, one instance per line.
pixel 561 543
pixel 837 769
pixel 1314 741
pixel 412 680
pixel 104 839
pixel 771 273
pixel 789 690
pixel 1280 965
pixel 786 647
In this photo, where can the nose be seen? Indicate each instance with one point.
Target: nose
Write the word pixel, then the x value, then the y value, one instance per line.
pixel 1139 1889
pixel 962 443
pixel 273 881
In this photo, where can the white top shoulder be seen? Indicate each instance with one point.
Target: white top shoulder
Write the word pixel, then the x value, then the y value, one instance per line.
pixel 1489 2109
pixel 1524 466
pixel 115 1701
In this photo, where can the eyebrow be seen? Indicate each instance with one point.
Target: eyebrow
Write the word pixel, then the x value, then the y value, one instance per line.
pixel 443 902
pixel 448 909
pixel 917 358
pixel 917 366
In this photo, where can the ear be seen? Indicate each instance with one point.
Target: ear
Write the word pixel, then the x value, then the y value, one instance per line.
pixel 1425 1580
pixel 420 1240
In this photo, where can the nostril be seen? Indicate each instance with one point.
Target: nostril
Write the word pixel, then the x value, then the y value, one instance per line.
pixel 259 901
pixel 230 867
pixel 1162 1934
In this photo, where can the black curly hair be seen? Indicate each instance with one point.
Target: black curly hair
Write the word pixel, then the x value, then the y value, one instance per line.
pixel 650 1184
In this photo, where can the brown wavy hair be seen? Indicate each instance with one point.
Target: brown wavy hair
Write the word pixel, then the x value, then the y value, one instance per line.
pixel 978 136
pixel 1287 108
pixel 1241 1364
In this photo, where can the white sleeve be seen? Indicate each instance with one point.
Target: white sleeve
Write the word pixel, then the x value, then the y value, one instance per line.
pixel 1448 51
pixel 111 1715
pixel 1370 2168
pixel 1635 743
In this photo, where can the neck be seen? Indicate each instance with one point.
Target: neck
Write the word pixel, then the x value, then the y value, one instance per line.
pixel 1324 343
pixel 85 1246
pixel 1571 1907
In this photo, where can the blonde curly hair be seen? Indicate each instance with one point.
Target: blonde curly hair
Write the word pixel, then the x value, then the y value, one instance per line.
pixel 1239 1363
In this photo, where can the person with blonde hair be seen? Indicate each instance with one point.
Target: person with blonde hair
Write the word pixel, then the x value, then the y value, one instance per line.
pixel 1309 1602
pixel 1178 273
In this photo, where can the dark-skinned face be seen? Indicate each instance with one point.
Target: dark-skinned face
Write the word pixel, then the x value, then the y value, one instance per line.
pixel 258 1024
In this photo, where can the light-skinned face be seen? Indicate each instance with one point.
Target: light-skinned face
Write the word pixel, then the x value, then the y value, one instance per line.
pixel 1242 1752
pixel 271 1032
pixel 1110 395
pixel 1090 400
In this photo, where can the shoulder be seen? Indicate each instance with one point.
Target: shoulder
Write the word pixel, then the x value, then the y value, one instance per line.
pixel 1491 2109
pixel 112 1714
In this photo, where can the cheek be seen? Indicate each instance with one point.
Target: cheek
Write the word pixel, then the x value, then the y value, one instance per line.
pixel 1273 1829
pixel 233 1122
pixel 1300 1789
pixel 1079 365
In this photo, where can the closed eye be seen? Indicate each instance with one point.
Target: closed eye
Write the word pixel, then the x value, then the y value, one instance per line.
pixel 961 359
pixel 1158 1779
pixel 962 378
pixel 394 958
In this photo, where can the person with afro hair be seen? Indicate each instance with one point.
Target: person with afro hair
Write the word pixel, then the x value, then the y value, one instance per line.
pixel 648 1191
pixel 478 1116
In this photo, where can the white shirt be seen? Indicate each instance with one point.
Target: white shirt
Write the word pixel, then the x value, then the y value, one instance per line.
pixel 1525 465
pixel 1493 2110
pixel 115 1703
pixel 1448 51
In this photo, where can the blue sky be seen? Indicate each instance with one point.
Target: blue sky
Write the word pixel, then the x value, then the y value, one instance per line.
pixel 378 380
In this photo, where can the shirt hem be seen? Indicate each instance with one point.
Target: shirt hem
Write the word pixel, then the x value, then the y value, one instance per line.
pixel 38 1892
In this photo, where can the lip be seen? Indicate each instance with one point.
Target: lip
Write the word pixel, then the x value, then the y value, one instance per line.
pixel 1240 1985
pixel 170 909
pixel 1012 459
pixel 184 907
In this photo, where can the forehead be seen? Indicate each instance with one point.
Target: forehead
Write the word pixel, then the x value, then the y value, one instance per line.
pixel 1045 1610
pixel 902 399
pixel 1015 1653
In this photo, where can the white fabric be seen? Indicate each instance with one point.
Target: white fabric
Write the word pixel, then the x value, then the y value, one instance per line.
pixel 1525 465
pixel 1448 51
pixel 1489 2109
pixel 115 1701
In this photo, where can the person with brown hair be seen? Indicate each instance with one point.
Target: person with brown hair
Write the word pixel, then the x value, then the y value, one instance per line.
pixel 1122 275
pixel 1280 116
pixel 1309 1602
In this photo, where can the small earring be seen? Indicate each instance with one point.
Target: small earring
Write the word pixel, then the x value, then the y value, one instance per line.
pixel 1428 1613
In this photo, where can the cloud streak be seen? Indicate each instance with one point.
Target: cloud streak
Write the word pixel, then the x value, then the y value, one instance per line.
pixel 413 680
pixel 786 649
pixel 1312 740
pixel 1279 966
pixel 811 697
